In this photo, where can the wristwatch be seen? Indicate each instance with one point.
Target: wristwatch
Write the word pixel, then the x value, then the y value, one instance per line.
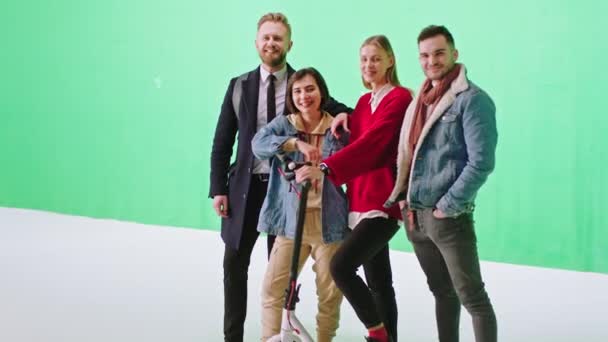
pixel 324 168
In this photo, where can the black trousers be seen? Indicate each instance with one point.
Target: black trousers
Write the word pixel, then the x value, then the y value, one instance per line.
pixel 236 265
pixel 367 246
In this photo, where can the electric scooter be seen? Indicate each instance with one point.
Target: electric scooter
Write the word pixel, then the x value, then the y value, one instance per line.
pixel 291 328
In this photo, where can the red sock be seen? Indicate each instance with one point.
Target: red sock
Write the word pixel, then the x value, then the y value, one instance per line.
pixel 379 334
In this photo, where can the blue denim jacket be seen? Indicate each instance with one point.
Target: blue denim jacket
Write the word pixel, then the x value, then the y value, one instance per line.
pixel 454 154
pixel 279 211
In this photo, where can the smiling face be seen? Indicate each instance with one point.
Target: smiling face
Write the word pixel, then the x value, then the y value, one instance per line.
pixel 306 95
pixel 374 62
pixel 273 43
pixel 437 57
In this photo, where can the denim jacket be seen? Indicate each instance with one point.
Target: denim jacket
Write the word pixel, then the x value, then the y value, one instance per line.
pixel 279 211
pixel 454 154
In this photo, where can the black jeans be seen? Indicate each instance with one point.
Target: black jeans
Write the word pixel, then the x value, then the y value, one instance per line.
pixel 447 252
pixel 236 265
pixel 367 245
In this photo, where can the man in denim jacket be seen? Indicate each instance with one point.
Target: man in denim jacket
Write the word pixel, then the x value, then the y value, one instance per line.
pixel 446 152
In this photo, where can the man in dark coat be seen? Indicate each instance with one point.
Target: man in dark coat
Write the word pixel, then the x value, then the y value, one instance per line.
pixel 238 189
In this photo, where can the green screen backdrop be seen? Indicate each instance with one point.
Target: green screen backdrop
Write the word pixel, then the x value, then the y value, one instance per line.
pixel 108 108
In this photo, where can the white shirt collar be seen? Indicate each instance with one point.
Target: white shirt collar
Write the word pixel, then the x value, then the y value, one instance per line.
pixel 376 97
pixel 280 75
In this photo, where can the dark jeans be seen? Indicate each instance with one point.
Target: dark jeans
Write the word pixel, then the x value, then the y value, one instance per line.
pixel 236 265
pixel 367 245
pixel 447 252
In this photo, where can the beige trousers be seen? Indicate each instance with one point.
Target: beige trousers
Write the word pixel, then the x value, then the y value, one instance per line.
pixel 277 277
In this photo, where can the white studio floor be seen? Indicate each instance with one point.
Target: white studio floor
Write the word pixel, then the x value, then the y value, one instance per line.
pixel 75 279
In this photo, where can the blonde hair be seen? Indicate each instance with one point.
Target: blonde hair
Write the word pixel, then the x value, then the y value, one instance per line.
pixel 391 73
pixel 276 17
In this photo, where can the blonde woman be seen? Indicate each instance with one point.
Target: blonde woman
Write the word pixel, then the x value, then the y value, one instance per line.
pixel 367 167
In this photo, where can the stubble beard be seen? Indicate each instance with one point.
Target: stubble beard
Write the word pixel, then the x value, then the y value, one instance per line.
pixel 274 62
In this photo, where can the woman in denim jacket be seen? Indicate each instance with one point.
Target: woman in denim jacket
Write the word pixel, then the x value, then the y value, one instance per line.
pixel 302 136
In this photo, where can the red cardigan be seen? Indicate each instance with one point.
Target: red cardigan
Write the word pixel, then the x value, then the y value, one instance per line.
pixel 368 164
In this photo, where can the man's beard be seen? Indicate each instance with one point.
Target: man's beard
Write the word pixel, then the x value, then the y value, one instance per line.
pixel 443 73
pixel 274 62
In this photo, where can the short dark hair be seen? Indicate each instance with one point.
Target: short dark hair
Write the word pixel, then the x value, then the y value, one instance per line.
pixel 434 30
pixel 300 74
